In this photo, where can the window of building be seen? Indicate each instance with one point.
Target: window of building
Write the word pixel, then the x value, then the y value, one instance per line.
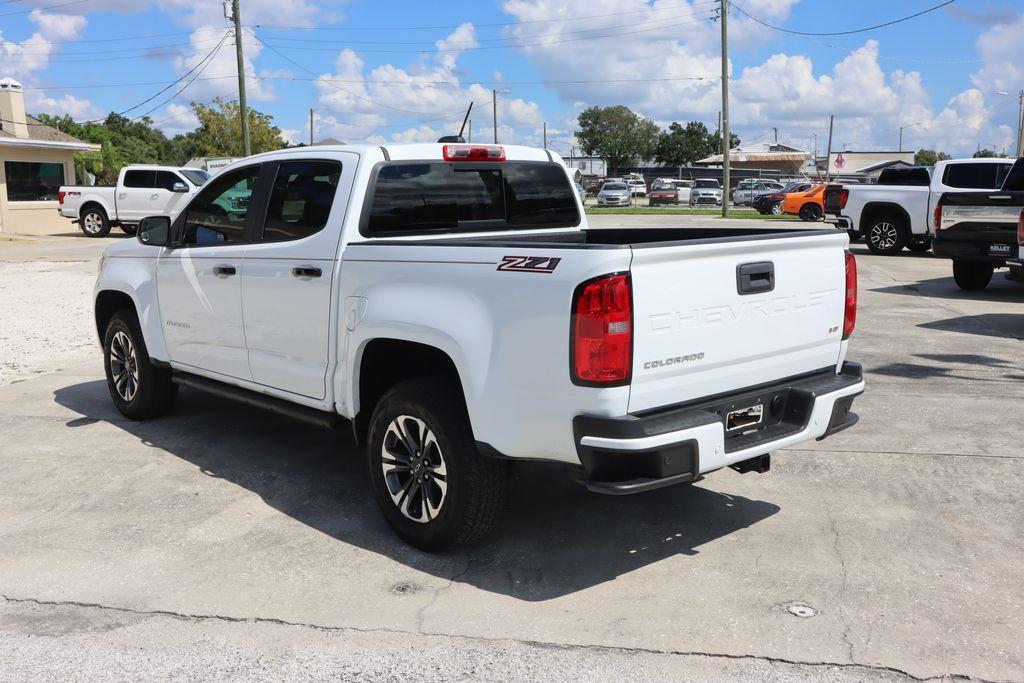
pixel 301 199
pixel 30 181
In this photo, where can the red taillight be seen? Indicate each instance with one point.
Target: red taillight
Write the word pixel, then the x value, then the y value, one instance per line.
pixel 937 217
pixel 60 197
pixel 602 331
pixel 1020 229
pixel 474 153
pixel 843 197
pixel 850 312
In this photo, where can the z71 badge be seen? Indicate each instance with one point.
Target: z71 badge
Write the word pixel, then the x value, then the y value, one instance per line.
pixel 529 264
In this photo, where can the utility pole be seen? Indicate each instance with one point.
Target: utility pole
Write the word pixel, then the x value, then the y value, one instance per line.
pixel 776 130
pixel 470 130
pixel 1020 124
pixel 311 126
pixel 724 16
pixel 828 154
pixel 545 135
pixel 494 111
pixel 815 148
pixel 236 16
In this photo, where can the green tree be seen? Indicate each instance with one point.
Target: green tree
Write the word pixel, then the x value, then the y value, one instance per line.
pixel 617 135
pixel 220 131
pixel 715 142
pixel 987 154
pixel 929 157
pixel 682 145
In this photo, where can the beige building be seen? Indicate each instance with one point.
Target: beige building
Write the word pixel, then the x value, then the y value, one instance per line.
pixel 35 160
pixel 765 156
pixel 850 162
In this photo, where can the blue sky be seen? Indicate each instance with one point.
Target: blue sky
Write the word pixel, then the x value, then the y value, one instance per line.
pixel 404 70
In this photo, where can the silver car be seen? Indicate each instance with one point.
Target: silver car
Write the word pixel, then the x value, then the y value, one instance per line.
pixel 745 192
pixel 614 194
pixel 706 191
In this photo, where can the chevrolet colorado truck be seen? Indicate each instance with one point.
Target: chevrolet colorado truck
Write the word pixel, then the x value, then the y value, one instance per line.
pixel 982 232
pixel 450 305
pixel 140 191
pixel 897 212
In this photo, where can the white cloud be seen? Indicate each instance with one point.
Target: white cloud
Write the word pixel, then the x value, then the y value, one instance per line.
pixel 175 119
pixel 449 49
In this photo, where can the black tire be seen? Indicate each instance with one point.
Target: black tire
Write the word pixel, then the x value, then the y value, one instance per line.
pixel 972 275
pixel 129 230
pixel 94 222
pixel 128 364
pixel 886 236
pixel 810 213
pixel 919 246
pixel 472 499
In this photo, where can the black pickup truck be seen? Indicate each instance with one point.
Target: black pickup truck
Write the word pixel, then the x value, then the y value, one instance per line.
pixel 982 231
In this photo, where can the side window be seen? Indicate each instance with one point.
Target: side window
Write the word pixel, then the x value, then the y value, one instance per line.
pixel 165 180
pixel 301 199
pixel 971 176
pixel 1002 170
pixel 139 179
pixel 217 215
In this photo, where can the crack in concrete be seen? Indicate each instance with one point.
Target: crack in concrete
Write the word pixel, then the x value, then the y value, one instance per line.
pixel 843 573
pixel 923 455
pixel 879 668
pixel 422 611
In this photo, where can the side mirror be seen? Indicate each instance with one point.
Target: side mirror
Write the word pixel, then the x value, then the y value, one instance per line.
pixel 179 187
pixel 155 231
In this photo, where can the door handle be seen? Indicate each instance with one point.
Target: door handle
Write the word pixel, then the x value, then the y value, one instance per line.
pixel 306 272
pixel 755 278
pixel 224 270
pixel 154 196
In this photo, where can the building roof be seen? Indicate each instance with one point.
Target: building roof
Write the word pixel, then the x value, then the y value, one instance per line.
pixel 40 131
pixel 330 141
pixel 760 152
pixel 882 164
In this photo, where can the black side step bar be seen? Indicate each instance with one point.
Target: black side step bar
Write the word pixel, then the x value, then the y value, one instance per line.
pixel 252 398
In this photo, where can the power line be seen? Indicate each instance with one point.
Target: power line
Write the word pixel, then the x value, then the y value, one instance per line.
pixel 839 33
pixel 29 11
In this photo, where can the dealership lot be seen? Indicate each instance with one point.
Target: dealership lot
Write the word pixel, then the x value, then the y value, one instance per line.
pixel 231 543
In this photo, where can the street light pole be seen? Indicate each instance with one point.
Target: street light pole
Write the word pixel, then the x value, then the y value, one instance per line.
pixel 723 17
pixel 918 123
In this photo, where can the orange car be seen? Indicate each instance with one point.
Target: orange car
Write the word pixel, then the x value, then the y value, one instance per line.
pixel 809 205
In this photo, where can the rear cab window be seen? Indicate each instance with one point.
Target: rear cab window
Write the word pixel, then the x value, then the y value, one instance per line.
pixel 975 176
pixel 146 179
pixel 416 197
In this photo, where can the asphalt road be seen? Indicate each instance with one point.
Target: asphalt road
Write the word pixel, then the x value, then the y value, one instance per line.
pixel 226 543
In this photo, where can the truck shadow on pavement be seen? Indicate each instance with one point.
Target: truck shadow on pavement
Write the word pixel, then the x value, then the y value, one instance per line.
pixel 556 537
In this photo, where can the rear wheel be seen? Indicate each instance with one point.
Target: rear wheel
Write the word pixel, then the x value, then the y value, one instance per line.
pixel 434 488
pixel 139 389
pixel 94 222
pixel 810 213
pixel 972 275
pixel 886 236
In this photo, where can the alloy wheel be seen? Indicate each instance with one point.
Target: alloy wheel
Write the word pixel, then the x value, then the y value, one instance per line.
pixel 414 468
pixel 124 366
pixel 92 222
pixel 884 235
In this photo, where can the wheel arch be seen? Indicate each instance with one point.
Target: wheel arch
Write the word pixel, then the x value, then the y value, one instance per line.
pixel 874 210
pixel 383 362
pixel 93 203
pixel 109 302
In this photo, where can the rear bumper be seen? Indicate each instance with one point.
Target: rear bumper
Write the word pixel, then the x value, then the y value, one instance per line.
pixel 643 452
pixel 841 222
pixel 971 250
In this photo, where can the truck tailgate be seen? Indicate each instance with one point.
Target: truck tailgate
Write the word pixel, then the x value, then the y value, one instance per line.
pixel 697 335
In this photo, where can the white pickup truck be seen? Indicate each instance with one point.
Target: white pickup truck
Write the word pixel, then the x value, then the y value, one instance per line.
pixel 897 212
pixel 140 191
pixel 450 304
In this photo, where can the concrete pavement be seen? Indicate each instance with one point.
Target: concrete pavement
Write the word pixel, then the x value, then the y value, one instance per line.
pixel 225 542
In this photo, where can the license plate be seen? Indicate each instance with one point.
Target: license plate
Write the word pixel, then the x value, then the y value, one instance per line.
pixel 999 249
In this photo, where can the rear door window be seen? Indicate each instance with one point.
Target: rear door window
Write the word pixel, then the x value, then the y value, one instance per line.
pixel 972 176
pixel 301 199
pixel 139 179
pixel 417 197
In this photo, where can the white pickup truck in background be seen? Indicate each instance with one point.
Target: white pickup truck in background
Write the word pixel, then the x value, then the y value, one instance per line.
pixel 897 212
pixel 449 304
pixel 140 191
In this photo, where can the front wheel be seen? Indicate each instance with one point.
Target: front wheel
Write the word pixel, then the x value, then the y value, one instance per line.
pixel 886 236
pixel 139 389
pixel 972 275
pixel 776 209
pixel 434 488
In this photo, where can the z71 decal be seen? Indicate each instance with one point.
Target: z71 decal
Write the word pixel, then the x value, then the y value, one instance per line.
pixel 529 264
